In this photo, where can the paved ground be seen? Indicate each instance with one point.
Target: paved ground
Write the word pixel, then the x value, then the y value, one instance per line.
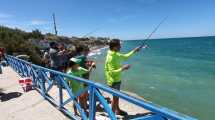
pixel 17 105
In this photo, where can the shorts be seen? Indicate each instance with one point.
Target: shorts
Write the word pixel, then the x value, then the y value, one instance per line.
pixel 116 85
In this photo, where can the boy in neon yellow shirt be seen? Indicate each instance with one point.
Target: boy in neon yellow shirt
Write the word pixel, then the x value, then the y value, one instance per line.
pixel 113 69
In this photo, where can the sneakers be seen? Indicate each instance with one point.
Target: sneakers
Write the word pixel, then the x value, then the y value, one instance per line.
pixel 121 112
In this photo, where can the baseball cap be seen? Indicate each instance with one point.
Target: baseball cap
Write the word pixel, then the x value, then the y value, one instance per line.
pixel 75 60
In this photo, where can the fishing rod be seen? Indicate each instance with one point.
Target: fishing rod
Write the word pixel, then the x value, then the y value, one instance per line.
pixel 156 28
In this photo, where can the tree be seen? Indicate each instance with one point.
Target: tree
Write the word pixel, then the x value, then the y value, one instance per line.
pixel 37 34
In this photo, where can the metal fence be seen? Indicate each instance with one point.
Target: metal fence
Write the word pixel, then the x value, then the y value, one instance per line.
pixel 44 84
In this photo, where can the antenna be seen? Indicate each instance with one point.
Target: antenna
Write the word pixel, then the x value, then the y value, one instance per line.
pixel 55 28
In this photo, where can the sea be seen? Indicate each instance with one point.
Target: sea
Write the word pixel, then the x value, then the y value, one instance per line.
pixel 177 73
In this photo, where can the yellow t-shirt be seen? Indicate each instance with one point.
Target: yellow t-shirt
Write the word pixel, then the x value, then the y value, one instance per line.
pixel 113 66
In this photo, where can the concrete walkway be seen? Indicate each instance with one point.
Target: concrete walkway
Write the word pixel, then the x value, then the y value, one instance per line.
pixel 17 105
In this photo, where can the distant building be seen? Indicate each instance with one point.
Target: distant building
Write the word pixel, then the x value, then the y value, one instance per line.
pixel 42 44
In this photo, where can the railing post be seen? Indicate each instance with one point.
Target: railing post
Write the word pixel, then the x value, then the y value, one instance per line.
pixel 25 70
pixel 18 69
pixel 92 102
pixel 22 72
pixel 42 81
pixel 59 84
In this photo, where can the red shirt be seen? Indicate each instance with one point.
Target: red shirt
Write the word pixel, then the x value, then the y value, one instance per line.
pixel 1 55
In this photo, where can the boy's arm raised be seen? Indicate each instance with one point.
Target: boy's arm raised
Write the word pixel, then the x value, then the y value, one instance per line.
pixel 126 56
pixel 137 49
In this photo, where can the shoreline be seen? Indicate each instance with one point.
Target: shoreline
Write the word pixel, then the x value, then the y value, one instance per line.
pixel 96 50
pixel 135 95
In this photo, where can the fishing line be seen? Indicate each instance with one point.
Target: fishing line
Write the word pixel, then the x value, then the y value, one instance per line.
pixel 156 28
pixel 91 32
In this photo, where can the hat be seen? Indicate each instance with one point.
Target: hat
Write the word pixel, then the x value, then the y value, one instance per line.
pixel 75 60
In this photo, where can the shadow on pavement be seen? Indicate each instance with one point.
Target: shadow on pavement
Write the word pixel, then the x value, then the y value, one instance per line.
pixel 128 117
pixel 8 96
pixel 1 90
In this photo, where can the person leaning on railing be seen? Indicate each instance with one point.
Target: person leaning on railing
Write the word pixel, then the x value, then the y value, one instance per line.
pixel 82 53
pixel 55 56
pixel 75 70
pixel 113 69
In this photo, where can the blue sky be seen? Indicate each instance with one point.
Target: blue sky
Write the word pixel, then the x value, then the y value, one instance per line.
pixel 125 19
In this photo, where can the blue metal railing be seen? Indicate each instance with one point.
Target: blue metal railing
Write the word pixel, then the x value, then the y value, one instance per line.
pixel 44 84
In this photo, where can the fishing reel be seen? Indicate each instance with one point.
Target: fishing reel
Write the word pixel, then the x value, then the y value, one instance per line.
pixel 91 63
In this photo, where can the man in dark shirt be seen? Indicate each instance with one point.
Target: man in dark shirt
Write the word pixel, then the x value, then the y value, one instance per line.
pixel 1 57
pixel 64 59
pixel 54 56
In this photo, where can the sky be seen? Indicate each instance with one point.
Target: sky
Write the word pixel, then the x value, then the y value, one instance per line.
pixel 124 19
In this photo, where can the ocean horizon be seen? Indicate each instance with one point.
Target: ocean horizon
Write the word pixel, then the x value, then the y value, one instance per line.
pixel 177 73
pixel 165 38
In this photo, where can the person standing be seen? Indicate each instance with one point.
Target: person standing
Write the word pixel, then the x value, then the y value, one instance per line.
pixel 54 56
pixel 114 68
pixel 75 70
pixel 46 59
pixel 82 53
pixel 1 57
pixel 64 59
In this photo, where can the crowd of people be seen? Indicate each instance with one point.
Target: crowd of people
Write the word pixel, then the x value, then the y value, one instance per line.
pixel 57 58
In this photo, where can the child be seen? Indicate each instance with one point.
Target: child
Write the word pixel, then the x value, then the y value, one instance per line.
pixel 83 52
pixel 75 70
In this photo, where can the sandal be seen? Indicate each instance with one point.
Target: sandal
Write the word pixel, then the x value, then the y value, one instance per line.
pixel 121 112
